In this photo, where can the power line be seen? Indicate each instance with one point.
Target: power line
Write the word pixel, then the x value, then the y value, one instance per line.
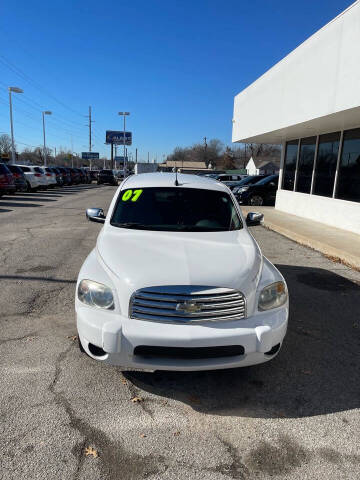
pixel 32 82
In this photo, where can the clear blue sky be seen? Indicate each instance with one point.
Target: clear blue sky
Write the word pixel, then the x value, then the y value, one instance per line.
pixel 175 65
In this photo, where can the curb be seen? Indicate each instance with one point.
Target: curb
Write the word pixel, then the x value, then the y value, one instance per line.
pixel 333 253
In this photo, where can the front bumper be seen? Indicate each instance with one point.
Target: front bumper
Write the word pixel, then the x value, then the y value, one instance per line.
pixel 118 336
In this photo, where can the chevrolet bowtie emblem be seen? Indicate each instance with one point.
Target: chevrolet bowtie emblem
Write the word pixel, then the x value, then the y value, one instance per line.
pixel 188 307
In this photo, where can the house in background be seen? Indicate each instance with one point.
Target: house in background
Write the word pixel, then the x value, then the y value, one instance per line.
pixel 260 166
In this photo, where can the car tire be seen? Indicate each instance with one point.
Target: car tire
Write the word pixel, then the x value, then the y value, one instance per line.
pixel 256 201
pixel 81 348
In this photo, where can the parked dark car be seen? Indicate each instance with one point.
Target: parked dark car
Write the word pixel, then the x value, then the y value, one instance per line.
pixel 59 176
pixel 87 175
pixel 260 193
pixel 66 174
pixel 7 183
pixel 246 181
pixel 82 175
pixel 75 176
pixel 19 178
pixel 94 175
pixel 107 176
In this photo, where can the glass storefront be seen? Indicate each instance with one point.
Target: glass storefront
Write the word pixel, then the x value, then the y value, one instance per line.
pixel 290 165
pixel 326 164
pixel 348 187
pixel 306 164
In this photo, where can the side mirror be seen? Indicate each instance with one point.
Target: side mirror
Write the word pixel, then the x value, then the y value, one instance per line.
pixel 95 215
pixel 272 184
pixel 254 218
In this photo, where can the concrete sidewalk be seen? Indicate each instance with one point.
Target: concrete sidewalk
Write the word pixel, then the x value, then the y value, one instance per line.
pixel 338 245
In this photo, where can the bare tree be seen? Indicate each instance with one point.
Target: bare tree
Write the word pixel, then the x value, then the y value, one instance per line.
pixel 5 144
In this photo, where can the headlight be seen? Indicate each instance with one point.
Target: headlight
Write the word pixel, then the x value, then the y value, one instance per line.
pixel 273 296
pixel 95 294
pixel 243 189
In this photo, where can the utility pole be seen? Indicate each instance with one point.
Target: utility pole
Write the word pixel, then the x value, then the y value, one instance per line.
pixel 148 158
pixel 136 155
pixel 112 156
pixel 205 151
pixel 90 136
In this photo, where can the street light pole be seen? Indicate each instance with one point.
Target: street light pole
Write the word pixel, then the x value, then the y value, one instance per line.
pixel 46 112
pixel 15 90
pixel 124 114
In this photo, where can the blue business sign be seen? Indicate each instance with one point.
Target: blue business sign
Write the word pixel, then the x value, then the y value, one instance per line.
pixel 117 138
pixel 89 155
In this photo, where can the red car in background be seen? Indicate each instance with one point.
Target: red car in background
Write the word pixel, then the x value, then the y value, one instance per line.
pixel 7 183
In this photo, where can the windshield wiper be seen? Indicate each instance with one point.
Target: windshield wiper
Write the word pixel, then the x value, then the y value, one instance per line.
pixel 135 225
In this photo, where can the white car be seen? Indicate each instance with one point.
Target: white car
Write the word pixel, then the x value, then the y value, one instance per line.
pixel 176 280
pixel 35 179
pixel 50 176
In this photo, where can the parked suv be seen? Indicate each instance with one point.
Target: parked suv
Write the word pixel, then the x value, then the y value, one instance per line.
pixel 50 176
pixel 19 178
pixel 192 291
pixel 35 177
pixel 66 175
pixel 260 193
pixel 7 184
pixel 107 176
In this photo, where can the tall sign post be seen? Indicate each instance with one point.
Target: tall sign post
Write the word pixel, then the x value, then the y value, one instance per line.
pixel 124 114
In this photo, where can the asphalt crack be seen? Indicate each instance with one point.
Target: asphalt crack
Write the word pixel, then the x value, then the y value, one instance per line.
pixel 115 461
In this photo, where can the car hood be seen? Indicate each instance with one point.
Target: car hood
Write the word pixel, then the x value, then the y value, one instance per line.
pixel 137 259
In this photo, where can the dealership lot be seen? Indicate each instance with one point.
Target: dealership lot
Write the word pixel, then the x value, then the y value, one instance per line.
pixel 296 417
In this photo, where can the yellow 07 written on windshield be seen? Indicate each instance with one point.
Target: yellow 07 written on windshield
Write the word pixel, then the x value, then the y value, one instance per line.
pixel 132 195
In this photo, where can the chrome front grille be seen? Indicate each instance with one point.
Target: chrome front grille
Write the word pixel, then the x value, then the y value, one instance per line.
pixel 187 304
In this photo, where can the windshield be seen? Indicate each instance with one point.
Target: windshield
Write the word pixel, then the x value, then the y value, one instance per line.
pixel 266 180
pixel 176 209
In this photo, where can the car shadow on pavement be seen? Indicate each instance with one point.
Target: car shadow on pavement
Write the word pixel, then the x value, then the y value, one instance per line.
pixel 316 372
pixel 32 198
pixel 19 204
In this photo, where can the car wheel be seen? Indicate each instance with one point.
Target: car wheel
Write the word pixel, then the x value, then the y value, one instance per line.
pixel 256 200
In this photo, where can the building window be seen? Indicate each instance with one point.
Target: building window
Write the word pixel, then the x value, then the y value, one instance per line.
pixel 348 187
pixel 306 164
pixel 326 164
pixel 290 165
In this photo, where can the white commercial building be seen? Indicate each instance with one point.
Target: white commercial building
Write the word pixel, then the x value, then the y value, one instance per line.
pixel 310 103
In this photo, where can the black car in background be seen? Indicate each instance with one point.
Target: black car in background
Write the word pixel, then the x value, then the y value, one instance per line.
pixel 94 175
pixel 107 176
pixel 261 193
pixel 246 181
pixel 75 176
pixel 87 175
pixel 66 175
pixel 19 178
pixel 59 177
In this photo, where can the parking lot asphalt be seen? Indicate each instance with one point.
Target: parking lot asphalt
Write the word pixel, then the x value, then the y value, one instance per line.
pixel 296 417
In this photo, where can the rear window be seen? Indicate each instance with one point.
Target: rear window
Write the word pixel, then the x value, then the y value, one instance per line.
pixel 38 170
pixel 264 181
pixel 107 172
pixel 25 169
pixel 176 209
pixel 4 169
pixel 14 169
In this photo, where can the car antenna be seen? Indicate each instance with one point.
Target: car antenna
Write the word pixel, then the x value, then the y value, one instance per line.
pixel 176 179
